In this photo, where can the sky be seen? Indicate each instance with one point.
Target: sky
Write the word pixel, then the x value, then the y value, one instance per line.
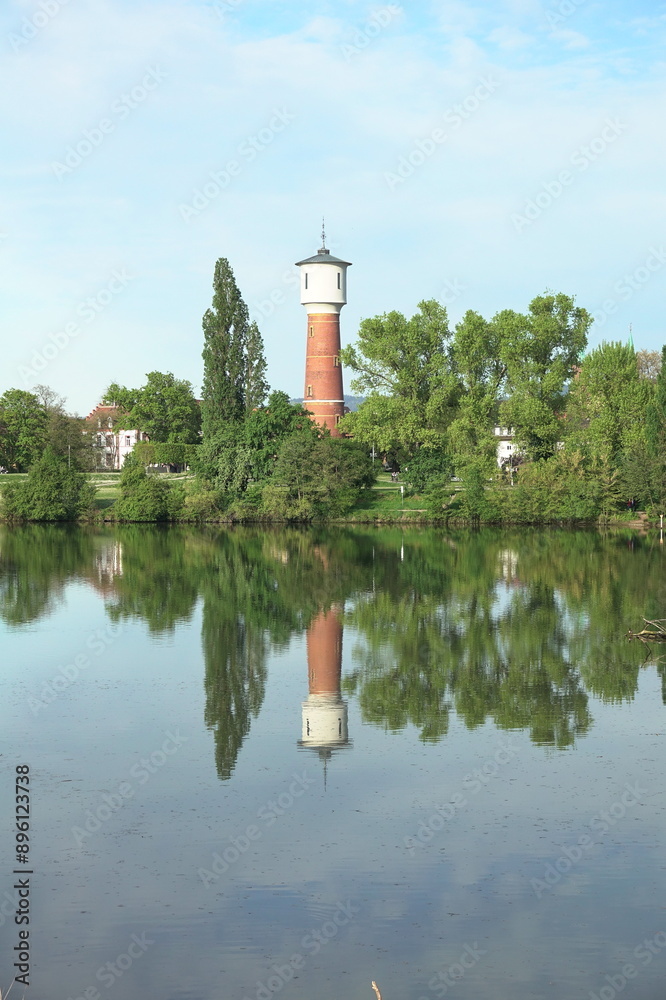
pixel 476 153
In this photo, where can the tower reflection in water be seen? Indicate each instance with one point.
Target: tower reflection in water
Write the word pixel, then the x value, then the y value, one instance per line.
pixel 325 712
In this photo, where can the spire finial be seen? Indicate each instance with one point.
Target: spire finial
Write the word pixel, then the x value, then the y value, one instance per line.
pixel 323 237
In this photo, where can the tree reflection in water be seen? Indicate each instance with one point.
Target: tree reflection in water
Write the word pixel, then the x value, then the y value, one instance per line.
pixel 520 628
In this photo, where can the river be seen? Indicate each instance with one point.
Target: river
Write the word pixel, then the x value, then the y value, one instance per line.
pixel 288 762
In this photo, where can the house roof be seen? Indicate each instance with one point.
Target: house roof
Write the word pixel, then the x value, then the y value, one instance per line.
pixel 103 411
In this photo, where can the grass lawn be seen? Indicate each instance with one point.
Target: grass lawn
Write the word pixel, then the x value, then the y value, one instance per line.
pixel 385 498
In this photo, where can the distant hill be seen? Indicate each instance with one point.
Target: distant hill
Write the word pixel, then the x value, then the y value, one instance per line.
pixel 353 402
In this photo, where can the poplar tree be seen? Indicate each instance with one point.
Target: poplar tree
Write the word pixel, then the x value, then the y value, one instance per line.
pixel 256 386
pixel 226 328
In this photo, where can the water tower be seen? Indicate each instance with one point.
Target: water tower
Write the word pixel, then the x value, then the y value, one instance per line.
pixel 324 293
pixel 325 728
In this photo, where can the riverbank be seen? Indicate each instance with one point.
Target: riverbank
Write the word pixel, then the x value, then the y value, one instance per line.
pixel 386 502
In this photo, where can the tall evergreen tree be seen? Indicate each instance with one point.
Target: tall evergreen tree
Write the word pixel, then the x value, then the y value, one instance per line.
pixel 226 328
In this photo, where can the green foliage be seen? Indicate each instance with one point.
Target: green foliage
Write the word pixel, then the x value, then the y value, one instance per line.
pixel 481 368
pixel 540 351
pixel 224 461
pixel 23 429
pixel 144 497
pixel 474 504
pixel 428 469
pixel 404 368
pixel 164 408
pixel 317 477
pixel 234 365
pixel 607 404
pixel 256 386
pixel 200 503
pixel 148 453
pixel 267 427
pixel 557 489
pixel 65 433
pixel 426 388
pixel 52 492
pixel 655 416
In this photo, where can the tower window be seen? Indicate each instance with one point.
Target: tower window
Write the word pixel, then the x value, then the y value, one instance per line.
pixel 338 418
pixel 306 279
pixel 336 361
pixel 309 390
pixel 312 331
pixel 339 274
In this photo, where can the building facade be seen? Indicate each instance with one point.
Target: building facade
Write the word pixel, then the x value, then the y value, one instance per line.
pixel 112 446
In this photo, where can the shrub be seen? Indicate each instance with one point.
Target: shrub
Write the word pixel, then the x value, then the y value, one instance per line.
pixel 146 498
pixel 52 492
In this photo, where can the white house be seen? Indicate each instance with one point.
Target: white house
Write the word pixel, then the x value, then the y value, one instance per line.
pixel 506 450
pixel 113 446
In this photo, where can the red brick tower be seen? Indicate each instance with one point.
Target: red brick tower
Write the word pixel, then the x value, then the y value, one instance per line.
pixel 324 293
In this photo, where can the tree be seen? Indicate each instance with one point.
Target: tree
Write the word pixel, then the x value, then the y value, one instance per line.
pixel 52 492
pixel 164 408
pixel 267 427
pixel 655 414
pixel 540 351
pixel 146 498
pixel 607 404
pixel 23 423
pixel 429 468
pixel 225 327
pixel 481 368
pixel 404 367
pixel 655 433
pixel 649 364
pixel 317 476
pixel 256 386
pixel 65 433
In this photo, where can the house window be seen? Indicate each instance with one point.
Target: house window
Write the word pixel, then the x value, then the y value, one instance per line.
pixel 110 422
pixel 309 390
pixel 306 279
pixel 339 273
pixel 127 440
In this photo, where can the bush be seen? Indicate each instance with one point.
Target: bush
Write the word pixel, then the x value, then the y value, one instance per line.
pixel 52 492
pixel 201 503
pixel 316 477
pixel 146 498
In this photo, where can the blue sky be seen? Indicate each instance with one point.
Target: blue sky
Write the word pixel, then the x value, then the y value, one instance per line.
pixel 478 154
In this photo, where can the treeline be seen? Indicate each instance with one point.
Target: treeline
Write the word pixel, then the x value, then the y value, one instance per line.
pixel 252 454
pixel 589 430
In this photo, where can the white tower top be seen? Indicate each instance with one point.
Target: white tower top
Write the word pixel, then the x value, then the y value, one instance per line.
pixel 323 280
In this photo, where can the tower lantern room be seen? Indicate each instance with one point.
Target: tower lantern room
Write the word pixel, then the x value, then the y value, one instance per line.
pixel 323 293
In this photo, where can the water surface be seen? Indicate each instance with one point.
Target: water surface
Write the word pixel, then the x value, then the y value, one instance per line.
pixel 287 762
